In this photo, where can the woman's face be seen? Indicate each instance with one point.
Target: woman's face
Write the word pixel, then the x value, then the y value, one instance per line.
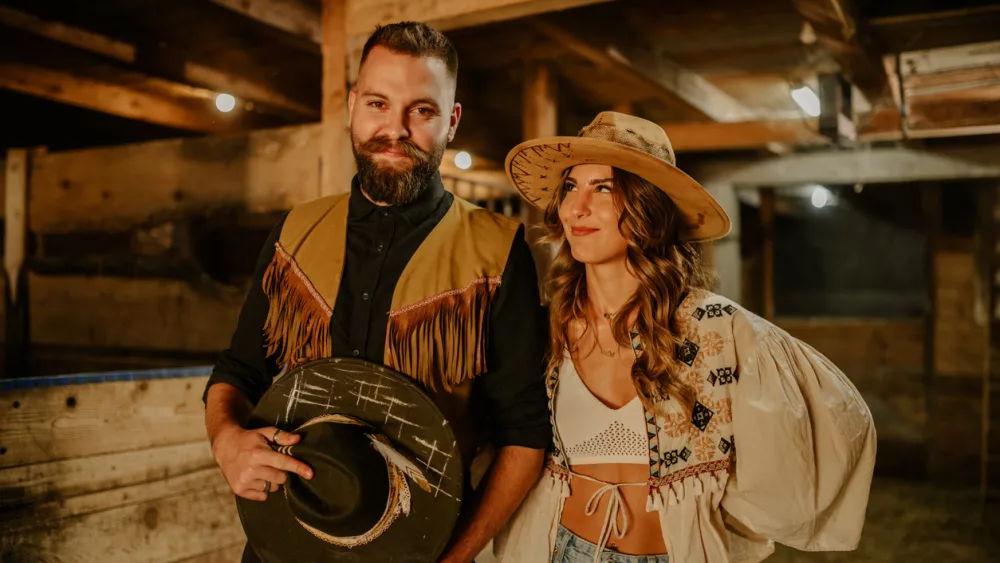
pixel 590 217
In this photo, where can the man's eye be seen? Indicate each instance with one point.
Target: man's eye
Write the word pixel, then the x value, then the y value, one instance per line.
pixel 376 104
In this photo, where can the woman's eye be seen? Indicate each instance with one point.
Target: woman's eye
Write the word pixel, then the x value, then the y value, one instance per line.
pixel 570 187
pixel 604 189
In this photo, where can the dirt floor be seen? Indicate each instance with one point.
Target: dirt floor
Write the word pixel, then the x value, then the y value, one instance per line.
pixel 917 523
pixel 911 522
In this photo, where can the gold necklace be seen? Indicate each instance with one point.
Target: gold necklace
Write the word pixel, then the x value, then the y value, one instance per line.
pixel 609 353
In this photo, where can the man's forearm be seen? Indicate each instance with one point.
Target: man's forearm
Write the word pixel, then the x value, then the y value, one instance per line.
pixel 512 474
pixel 226 407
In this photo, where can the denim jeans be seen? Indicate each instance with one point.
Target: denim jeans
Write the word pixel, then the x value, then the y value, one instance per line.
pixel 571 548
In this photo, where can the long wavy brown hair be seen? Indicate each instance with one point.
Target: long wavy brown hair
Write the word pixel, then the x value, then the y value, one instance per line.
pixel 666 269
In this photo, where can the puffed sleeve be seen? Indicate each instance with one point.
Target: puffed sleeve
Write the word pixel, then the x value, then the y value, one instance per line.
pixel 805 444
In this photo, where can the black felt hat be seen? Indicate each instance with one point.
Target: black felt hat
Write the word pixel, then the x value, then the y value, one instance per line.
pixel 369 434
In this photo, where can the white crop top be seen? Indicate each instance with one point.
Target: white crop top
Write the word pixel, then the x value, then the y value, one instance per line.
pixel 591 432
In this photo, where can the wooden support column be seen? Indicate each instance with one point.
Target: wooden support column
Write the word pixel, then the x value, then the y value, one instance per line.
pixel 540 115
pixel 767 213
pixel 15 244
pixel 723 255
pixel 989 269
pixel 336 159
pixel 931 204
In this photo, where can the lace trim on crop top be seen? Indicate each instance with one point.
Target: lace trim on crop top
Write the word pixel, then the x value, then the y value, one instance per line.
pixel 590 431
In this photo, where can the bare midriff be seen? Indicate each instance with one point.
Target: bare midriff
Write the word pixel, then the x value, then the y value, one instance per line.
pixel 643 535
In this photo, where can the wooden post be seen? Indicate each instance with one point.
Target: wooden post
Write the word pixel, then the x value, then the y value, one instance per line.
pixel 540 115
pixel 989 268
pixel 767 204
pixel 723 255
pixel 15 243
pixel 931 203
pixel 336 159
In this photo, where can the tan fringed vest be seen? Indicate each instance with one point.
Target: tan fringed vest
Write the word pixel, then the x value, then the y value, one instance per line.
pixel 438 322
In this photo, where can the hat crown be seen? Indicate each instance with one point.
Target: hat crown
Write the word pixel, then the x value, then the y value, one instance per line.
pixel 632 132
pixel 347 495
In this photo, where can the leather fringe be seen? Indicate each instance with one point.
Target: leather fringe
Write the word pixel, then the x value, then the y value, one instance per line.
pixel 297 328
pixel 442 339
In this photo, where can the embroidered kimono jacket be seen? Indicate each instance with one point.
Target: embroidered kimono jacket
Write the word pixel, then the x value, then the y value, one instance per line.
pixel 780 447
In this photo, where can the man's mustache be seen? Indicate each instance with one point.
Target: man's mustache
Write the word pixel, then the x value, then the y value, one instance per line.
pixel 380 144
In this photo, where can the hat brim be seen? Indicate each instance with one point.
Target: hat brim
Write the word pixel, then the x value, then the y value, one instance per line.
pixel 536 168
pixel 401 411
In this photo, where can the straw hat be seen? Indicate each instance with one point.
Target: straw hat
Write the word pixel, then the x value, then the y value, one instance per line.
pixel 623 141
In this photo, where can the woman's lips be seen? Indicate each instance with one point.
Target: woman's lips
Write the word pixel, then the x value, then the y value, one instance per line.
pixel 582 231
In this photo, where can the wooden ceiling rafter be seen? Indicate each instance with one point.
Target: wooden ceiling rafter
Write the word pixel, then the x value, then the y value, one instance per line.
pixel 844 35
pixel 195 80
pixel 680 89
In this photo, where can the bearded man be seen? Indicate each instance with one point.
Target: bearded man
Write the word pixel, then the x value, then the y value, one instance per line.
pixel 400 272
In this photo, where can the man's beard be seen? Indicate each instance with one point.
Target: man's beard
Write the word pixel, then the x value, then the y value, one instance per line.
pixel 389 185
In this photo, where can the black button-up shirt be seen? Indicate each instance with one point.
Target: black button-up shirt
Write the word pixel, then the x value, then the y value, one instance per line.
pixel 509 399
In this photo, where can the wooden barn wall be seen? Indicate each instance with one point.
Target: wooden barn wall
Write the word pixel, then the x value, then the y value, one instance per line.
pixel 113 472
pixel 960 347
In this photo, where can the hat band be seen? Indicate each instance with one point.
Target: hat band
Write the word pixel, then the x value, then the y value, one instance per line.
pixel 398 501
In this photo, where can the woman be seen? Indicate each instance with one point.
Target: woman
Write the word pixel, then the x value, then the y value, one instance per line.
pixel 655 383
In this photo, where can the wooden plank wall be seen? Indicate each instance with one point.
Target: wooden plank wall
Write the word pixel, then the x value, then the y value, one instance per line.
pixel 112 472
pixel 960 352
pixel 124 319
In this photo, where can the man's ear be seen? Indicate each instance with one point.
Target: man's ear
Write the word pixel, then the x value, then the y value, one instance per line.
pixel 456 116
pixel 352 97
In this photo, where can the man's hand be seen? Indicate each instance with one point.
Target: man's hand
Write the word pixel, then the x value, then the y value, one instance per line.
pixel 249 463
pixel 245 456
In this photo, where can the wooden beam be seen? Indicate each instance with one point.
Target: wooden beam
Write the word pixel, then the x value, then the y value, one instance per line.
pixel 300 18
pixel 37 482
pixel 364 15
pixel 539 102
pixel 164 530
pixel 677 87
pixel 336 158
pixel 539 120
pixel 928 30
pixel 190 72
pixel 110 98
pixel 115 188
pixel 16 321
pixel 741 135
pixel 125 313
pixel 70 421
pixel 297 17
pixel 934 61
pixel 840 32
pixel 865 166
pixel 15 219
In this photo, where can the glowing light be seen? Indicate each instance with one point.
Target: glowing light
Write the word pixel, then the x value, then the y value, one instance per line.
pixel 807 100
pixel 820 196
pixel 225 103
pixel 463 160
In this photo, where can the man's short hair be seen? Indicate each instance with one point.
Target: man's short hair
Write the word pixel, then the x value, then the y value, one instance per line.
pixel 416 39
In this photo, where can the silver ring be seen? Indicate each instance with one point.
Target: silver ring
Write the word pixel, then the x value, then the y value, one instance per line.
pixel 267 486
pixel 275 437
